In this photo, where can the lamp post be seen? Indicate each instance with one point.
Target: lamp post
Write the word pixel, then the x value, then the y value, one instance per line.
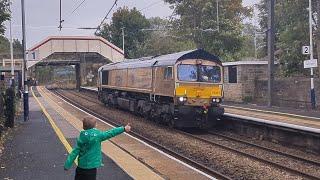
pixel 312 91
pixel 24 68
pixel 271 39
pixel 11 51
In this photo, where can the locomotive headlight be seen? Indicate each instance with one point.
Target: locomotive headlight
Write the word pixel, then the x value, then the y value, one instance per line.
pixel 182 99
pixel 213 100
pixel 217 100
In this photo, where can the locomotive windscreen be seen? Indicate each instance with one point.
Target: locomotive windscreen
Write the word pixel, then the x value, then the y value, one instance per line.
pixel 199 73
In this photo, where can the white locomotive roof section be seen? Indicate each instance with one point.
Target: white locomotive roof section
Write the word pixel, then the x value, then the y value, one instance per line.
pixel 163 60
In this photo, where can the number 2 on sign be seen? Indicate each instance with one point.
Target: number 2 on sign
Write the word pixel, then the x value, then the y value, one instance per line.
pixel 306 50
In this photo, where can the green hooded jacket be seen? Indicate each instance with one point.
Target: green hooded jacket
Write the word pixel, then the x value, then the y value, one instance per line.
pixel 88 148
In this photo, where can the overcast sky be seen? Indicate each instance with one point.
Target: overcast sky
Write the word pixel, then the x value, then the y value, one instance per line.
pixel 42 16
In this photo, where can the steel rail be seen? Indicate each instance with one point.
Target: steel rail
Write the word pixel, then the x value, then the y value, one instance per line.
pixel 185 159
pixel 267 149
pixel 280 166
pixel 251 144
pixel 265 161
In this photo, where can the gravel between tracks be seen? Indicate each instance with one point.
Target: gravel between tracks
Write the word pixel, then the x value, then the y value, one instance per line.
pixel 229 163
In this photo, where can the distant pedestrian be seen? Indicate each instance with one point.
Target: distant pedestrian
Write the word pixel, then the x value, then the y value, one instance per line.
pixel 88 149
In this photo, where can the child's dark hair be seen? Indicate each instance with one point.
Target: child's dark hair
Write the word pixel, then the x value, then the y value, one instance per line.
pixel 88 123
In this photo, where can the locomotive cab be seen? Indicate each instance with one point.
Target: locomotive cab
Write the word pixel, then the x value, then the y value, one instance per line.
pixel 198 92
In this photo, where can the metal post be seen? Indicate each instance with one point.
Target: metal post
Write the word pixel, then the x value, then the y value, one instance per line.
pixel 271 40
pixel 25 93
pixel 60 22
pixel 255 45
pixel 11 51
pixel 218 15
pixel 312 91
pixel 122 39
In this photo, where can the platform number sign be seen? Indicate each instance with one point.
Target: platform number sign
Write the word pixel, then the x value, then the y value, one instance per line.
pixel 305 49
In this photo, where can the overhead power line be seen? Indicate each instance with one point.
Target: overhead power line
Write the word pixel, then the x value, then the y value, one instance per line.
pixel 78 7
pixel 98 28
pixel 75 9
pixel 150 5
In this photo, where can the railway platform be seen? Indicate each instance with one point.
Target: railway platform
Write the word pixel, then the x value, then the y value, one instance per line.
pixel 39 148
pixel 307 120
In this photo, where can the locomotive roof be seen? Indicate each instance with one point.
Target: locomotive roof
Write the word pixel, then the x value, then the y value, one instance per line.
pixel 163 60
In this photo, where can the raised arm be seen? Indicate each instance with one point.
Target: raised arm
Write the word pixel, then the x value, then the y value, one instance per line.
pixel 114 132
pixel 111 133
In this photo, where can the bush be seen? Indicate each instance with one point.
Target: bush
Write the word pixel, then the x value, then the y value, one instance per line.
pixel 247 99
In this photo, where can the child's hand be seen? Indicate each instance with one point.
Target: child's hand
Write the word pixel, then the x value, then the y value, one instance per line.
pixel 127 128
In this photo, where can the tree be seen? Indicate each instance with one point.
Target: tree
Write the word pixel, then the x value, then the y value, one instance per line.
pixel 292 32
pixel 198 22
pixel 4 14
pixel 5 46
pixel 133 22
pixel 161 40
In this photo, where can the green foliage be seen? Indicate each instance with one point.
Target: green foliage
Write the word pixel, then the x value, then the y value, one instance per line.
pixel 247 99
pixel 197 16
pixel 4 14
pixel 133 21
pixel 44 74
pixel 5 46
pixel 163 41
pixel 292 32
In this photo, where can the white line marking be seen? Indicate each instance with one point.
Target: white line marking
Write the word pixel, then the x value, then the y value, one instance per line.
pixel 304 128
pixel 274 112
pixel 139 140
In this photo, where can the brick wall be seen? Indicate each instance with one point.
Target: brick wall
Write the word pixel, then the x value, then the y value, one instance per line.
pixel 289 92
pixel 233 92
pixel 245 88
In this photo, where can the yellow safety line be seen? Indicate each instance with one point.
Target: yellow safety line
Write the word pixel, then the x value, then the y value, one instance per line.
pixel 54 126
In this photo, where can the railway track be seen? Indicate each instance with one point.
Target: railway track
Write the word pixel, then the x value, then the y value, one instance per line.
pixel 305 160
pixel 235 150
pixel 260 159
pixel 288 155
pixel 187 160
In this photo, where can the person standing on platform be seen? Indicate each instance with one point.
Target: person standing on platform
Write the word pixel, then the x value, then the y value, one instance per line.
pixel 88 149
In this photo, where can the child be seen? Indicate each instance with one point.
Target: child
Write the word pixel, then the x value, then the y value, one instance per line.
pixel 88 149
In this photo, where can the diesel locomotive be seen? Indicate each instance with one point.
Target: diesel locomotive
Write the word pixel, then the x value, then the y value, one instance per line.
pixel 182 89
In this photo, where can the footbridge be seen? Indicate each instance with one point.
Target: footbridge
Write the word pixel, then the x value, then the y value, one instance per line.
pixel 87 53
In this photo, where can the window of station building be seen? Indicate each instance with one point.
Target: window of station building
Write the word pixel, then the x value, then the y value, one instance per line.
pixel 232 74
pixel 168 74
pixel 105 77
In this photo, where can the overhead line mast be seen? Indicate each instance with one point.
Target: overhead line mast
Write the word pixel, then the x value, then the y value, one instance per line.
pixel 60 22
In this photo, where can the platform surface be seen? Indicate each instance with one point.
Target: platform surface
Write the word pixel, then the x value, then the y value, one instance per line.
pixel 290 116
pixel 35 151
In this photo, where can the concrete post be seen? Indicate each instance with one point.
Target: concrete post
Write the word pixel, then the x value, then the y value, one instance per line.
pixel 78 76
